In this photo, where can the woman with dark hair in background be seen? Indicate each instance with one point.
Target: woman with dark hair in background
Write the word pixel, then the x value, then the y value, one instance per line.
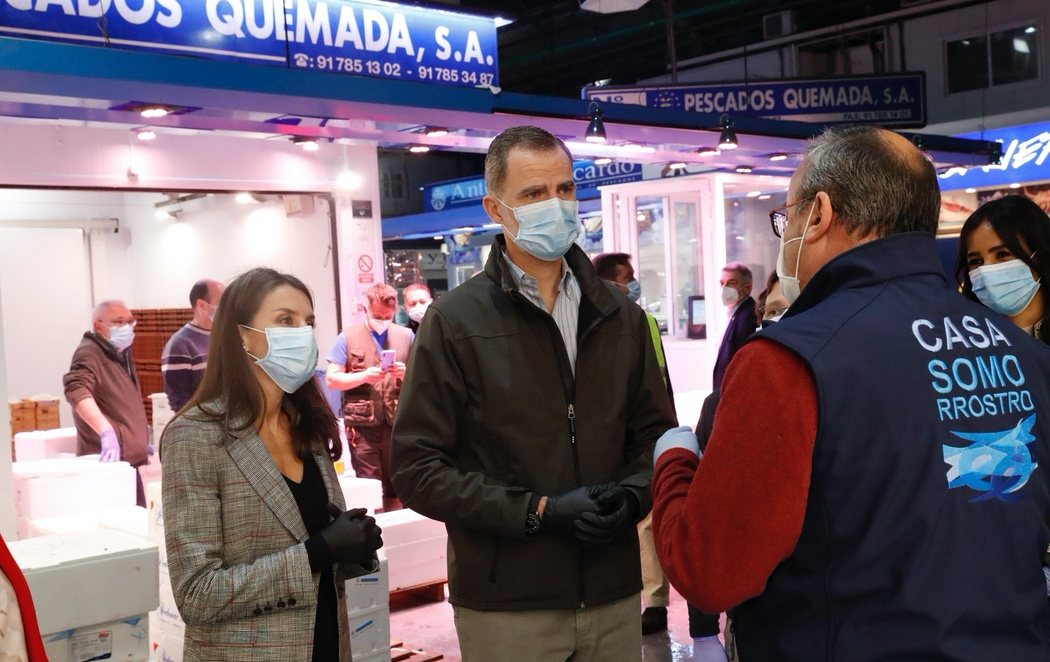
pixel 256 532
pixel 1004 254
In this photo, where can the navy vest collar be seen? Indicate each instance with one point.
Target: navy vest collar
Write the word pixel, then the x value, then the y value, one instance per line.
pixel 877 261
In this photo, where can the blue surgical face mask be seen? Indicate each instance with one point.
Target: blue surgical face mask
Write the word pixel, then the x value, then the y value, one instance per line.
pixel 634 291
pixel 121 336
pixel 291 355
pixel 1007 287
pixel 546 229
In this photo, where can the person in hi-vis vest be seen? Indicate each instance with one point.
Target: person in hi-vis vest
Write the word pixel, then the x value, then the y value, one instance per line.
pixel 367 363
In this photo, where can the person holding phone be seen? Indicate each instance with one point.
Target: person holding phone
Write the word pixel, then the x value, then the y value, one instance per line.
pixel 367 363
pixel 259 541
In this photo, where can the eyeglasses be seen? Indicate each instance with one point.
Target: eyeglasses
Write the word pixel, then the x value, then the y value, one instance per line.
pixel 778 218
pixel 124 321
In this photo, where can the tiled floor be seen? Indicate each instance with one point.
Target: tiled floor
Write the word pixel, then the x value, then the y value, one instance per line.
pixel 428 626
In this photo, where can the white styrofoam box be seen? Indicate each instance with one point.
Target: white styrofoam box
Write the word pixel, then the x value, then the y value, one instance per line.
pixel 380 655
pixel 87 577
pixel 150 471
pixel 133 520
pixel 55 487
pixel 161 409
pixel 43 444
pixel 129 519
pixel 126 640
pixel 405 526
pixel 415 547
pixel 154 631
pixel 167 611
pixel 362 493
pixel 369 591
pixel 370 631
pixel 155 510
pixel 170 647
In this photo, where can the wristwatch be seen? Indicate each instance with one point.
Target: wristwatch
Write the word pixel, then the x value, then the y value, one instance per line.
pixel 532 518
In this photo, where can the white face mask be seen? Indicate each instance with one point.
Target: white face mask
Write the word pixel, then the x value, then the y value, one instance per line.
pixel 730 296
pixel 122 336
pixel 789 285
pixel 546 229
pixel 291 355
pixel 417 312
pixel 379 326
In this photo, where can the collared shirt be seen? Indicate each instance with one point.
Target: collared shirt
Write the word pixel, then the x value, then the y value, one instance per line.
pixel 566 312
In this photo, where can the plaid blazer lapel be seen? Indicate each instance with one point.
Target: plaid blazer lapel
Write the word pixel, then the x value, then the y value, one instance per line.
pixel 249 453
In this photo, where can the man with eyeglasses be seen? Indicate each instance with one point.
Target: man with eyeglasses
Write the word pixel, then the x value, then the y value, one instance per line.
pixel 890 500
pixel 103 390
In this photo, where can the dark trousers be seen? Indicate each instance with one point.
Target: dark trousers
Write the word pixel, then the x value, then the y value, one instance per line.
pixel 701 624
pixel 370 454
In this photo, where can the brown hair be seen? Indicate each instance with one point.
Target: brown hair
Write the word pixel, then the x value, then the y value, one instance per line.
pixel 230 390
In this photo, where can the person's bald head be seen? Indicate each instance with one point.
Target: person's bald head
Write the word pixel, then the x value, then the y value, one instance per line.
pixel 878 182
pixel 204 300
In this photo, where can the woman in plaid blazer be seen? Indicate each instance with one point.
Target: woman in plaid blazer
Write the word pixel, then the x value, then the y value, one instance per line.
pixel 257 539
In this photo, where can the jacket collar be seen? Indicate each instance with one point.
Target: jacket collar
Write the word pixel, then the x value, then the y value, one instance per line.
pixel 591 287
pixel 897 256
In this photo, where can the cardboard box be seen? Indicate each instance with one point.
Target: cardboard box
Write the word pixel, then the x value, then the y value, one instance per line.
pixel 370 631
pixel 369 591
pixel 362 493
pixel 125 640
pixel 45 444
pixel 87 577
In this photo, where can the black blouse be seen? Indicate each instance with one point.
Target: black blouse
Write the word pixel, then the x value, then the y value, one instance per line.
pixel 312 499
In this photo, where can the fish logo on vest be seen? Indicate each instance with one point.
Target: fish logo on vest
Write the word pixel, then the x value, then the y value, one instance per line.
pixel 998 464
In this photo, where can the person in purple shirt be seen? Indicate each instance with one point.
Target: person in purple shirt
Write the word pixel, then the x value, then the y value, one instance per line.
pixel 185 355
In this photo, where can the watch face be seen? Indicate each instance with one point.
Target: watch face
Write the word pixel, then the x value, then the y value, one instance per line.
pixel 532 524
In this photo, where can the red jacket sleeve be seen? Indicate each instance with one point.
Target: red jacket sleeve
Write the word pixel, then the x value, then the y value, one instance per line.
pixel 34 643
pixel 723 524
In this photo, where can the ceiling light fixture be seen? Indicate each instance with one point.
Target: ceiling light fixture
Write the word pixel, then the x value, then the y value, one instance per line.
pixel 708 151
pixel 602 160
pixel 596 128
pixel 727 139
pixel 307 144
pixel 167 215
pixel 419 149
pixel 154 111
pixel 245 198
pixel 435 132
pixel 971 190
pixel 145 135
pixel 778 156
pixel 753 194
pixel 744 170
pixel 677 165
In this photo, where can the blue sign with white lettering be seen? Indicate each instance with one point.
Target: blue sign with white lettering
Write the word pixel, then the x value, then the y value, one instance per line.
pixel 587 175
pixel 1026 158
pixel 343 36
pixel 898 100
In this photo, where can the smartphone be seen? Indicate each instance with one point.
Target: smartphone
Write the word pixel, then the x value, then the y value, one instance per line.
pixel 386 359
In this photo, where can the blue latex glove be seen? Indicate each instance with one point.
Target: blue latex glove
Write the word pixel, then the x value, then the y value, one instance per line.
pixel 150 450
pixel 110 447
pixel 679 437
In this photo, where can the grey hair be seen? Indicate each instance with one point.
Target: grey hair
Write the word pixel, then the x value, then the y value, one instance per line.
pixel 524 137
pixel 740 268
pixel 100 308
pixel 878 187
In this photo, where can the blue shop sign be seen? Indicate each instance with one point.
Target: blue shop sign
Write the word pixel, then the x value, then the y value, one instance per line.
pixel 1026 158
pixel 358 37
pixel 588 177
pixel 898 100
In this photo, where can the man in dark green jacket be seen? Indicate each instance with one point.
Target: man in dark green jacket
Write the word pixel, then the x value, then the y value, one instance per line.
pixel 526 423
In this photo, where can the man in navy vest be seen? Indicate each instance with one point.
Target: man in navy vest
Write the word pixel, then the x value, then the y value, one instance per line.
pixel 891 501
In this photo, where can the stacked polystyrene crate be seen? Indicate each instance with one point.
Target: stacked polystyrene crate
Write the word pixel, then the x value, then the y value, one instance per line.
pixel 362 493
pixel 166 626
pixel 415 546
pixel 368 610
pixel 45 444
pixel 162 413
pixel 92 590
pixel 60 487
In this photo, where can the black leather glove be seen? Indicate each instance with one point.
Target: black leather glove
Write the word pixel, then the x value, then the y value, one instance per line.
pixel 352 537
pixel 562 511
pixel 617 514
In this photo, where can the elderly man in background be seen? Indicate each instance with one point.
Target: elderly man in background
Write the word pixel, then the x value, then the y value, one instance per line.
pixel 103 390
